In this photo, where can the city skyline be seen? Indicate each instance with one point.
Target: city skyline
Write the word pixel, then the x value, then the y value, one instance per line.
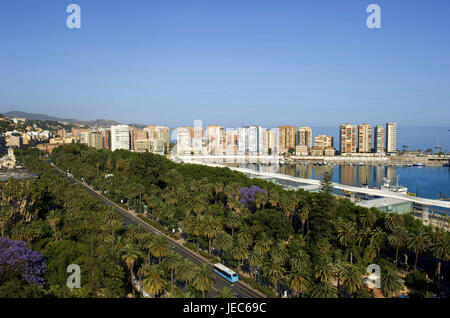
pixel 291 61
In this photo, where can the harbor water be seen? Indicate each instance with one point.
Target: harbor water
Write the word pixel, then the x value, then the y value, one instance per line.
pixel 427 182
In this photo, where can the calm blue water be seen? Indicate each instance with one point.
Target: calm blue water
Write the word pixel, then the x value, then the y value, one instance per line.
pixel 430 181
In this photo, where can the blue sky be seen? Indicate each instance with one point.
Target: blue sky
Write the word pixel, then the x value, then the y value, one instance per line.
pixel 228 62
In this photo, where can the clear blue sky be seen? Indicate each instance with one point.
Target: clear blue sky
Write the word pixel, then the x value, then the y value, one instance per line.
pixel 228 62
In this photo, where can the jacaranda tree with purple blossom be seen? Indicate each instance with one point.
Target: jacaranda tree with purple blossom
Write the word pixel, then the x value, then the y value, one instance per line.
pixel 17 257
pixel 247 195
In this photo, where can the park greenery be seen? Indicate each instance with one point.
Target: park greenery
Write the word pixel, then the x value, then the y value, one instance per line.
pixel 308 244
pixel 48 223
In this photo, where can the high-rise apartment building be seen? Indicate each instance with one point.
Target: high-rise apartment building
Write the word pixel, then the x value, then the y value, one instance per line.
pixel 324 141
pixel 391 137
pixel 184 140
pixel 364 138
pixel 84 137
pixel 269 142
pixel 159 133
pixel 106 134
pixel 348 138
pixel 286 138
pixel 250 140
pixel 137 134
pixel 215 140
pixel 379 139
pixel 95 140
pixel 304 137
pixel 231 140
pixel 120 137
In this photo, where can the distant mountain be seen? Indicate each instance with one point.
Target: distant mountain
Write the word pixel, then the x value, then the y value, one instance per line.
pixel 91 123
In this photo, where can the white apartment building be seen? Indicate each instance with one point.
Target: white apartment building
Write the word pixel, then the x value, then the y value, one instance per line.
pixel 120 137
pixel 184 140
pixel 391 137
pixel 251 140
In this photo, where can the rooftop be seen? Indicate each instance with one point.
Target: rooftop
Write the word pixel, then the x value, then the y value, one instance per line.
pixel 380 202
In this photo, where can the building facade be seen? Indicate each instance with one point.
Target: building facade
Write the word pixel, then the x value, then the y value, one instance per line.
pixel 304 137
pixel 215 137
pixel 379 139
pixel 364 138
pixel 120 137
pixel 391 137
pixel 348 138
pixel 324 141
pixel 286 138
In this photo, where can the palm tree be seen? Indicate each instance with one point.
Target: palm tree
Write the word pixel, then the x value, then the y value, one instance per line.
pixel 440 249
pixel 347 234
pixel 298 281
pixel 112 221
pixel 260 199
pixel 224 242
pixel 185 271
pixel 170 262
pixel 54 218
pixel 273 271
pixel 226 292
pixel 245 235
pixel 398 240
pixel 324 271
pixel 148 245
pixel 154 281
pixel 218 188
pixel 370 252
pixel 353 279
pixel 304 215
pixel 368 219
pixel 378 239
pixel 4 218
pixel 202 279
pixel 393 221
pixel 142 272
pixel 159 247
pixel 233 221
pixel 255 259
pixel 239 251
pixel 391 283
pixel 274 198
pixel 210 228
pixel 324 290
pixel 263 244
pixel 130 256
pixel 279 251
pixel 417 243
pixel 300 261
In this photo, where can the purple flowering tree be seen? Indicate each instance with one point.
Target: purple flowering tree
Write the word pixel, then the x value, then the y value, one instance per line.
pixel 16 256
pixel 247 195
